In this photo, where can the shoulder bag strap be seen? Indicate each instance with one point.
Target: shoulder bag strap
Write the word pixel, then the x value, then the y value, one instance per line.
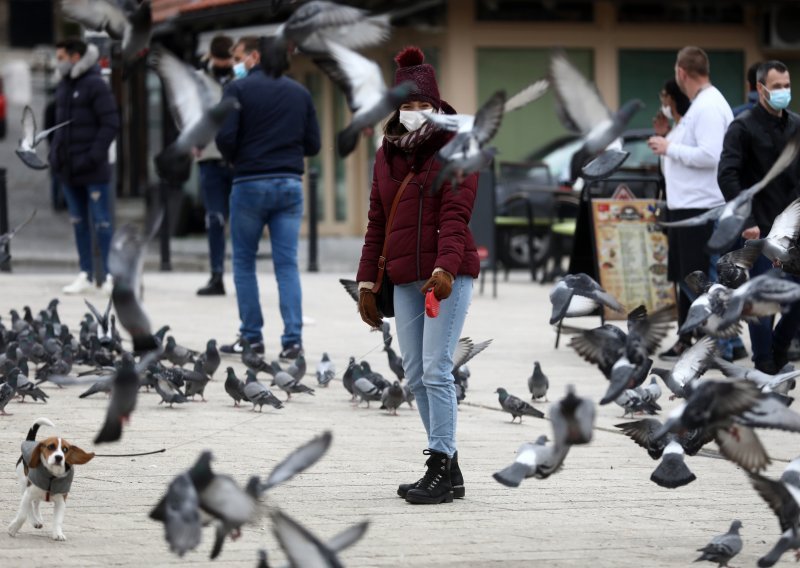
pixel 382 258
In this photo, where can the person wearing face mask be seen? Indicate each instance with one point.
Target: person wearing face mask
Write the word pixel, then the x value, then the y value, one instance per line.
pixel 674 104
pixel 79 155
pixel 216 175
pixel 266 140
pixel 690 156
pixel 429 249
pixel 752 144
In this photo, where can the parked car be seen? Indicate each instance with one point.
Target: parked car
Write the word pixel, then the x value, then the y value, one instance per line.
pixel 535 184
pixel 2 111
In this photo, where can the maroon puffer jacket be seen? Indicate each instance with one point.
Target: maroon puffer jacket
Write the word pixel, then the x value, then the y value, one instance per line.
pixel 429 230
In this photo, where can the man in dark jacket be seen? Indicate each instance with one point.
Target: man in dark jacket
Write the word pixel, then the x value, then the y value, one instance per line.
pixel 752 144
pixel 79 153
pixel 266 141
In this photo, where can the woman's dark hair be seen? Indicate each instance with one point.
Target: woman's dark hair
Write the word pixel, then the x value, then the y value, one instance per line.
pixel 682 102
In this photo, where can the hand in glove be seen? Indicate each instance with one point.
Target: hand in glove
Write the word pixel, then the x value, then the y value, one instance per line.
pixel 442 283
pixel 368 308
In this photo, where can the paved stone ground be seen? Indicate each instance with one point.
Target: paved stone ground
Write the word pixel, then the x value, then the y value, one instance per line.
pixel 600 510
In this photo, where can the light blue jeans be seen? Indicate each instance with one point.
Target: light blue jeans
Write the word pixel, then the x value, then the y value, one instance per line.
pixel 427 346
pixel 276 202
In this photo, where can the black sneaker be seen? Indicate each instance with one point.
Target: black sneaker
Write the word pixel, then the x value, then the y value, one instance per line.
pixel 674 352
pixel 291 352
pixel 236 347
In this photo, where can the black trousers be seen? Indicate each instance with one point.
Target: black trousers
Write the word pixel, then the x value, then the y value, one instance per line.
pixel 687 253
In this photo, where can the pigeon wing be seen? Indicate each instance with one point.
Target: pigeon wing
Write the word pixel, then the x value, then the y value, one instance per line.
pixel 707 217
pixel 641 432
pixel 363 75
pixel 526 96
pixel 779 499
pixel 299 460
pixel 466 350
pixel 301 547
pixel 28 127
pixel 785 159
pixel 743 257
pixel 489 118
pixel 351 287
pixel 97 15
pixel 786 226
pixel 741 445
pixel 348 537
pixel 187 93
pixel 580 106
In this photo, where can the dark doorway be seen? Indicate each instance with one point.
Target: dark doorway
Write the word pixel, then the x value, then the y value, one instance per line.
pixel 30 23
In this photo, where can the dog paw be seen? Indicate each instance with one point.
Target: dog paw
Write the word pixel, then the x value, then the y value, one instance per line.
pixel 59 536
pixel 13 529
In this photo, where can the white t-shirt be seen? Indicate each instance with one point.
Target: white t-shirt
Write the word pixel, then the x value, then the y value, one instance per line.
pixel 690 165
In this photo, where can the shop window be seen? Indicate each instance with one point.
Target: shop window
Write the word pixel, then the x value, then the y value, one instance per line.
pixel 533 11
pixel 697 12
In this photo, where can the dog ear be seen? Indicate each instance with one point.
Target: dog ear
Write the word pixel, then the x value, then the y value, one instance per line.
pixel 36 456
pixel 76 456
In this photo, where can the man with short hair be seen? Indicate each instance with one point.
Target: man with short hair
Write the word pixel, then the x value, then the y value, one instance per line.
pixel 691 155
pixel 266 140
pixel 752 145
pixel 79 154
pixel 216 175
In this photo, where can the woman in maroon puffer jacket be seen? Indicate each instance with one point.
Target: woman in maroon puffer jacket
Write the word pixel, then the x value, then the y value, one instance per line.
pixel 430 246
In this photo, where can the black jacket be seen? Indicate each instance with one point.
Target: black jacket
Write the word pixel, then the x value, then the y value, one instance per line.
pixel 79 151
pixel 753 142
pixel 274 129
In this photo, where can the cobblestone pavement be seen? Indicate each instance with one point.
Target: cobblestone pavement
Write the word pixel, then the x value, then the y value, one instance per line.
pixel 601 510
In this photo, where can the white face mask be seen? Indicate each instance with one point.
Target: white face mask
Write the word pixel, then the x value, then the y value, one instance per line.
pixel 666 110
pixel 413 119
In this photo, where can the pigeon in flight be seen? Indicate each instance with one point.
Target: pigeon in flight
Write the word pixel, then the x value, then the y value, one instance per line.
pixel 195 105
pixel 536 459
pixel 5 239
pixel 733 268
pixel 780 245
pixel 783 497
pixel 763 296
pixel 579 295
pixel 691 365
pixel 26 150
pixel 573 419
pixel 581 110
pixel 724 547
pixel 367 95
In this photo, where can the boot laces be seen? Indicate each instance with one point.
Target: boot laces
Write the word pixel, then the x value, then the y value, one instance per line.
pixel 433 473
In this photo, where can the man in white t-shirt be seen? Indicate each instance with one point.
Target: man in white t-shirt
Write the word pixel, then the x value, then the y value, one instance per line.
pixel 691 156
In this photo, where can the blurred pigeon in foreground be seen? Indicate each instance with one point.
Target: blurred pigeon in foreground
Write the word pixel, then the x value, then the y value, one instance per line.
pixel 298 461
pixel 538 383
pixel 732 217
pixel 182 526
pixel 516 407
pixel 124 392
pixel 581 110
pixel 632 402
pixel 195 105
pixel 762 296
pixel 301 546
pixel 367 96
pixel 724 547
pixel 31 138
pixel 780 245
pixel 579 295
pixel 733 268
pixel 573 419
pixel 783 497
pixel 533 460
pixel 781 383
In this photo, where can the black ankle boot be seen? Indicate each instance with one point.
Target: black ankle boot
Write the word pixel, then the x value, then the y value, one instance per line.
pixel 215 286
pixel 435 486
pixel 456 480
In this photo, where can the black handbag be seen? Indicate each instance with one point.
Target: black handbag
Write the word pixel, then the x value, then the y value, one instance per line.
pixel 384 287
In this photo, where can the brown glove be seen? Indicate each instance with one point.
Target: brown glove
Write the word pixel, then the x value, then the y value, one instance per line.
pixel 442 284
pixel 368 308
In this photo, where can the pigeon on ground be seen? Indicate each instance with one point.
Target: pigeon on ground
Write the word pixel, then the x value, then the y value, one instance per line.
pixel 672 472
pixel 103 320
pixel 582 111
pixel 392 397
pixel 169 392
pixel 516 407
pixel 195 105
pixel 350 375
pixel 732 217
pixel 650 392
pixel 724 547
pixel 326 371
pixel 367 96
pixel 210 358
pixel 6 394
pixel 538 383
pixel 579 295
pixel 395 362
pixel 465 351
pixel 409 396
pixel 780 245
pixel 125 263
pixel 177 354
pixel 364 389
pixel 26 150
pixel 182 526
pixel 234 387
pixel 133 28
pixel 251 359
pixel 763 296
pixel 23 387
pixel 692 364
pixel 298 368
pixel 288 384
pixel 572 418
pixel 196 381
pixel 533 460
pixel 258 393
pixel 373 376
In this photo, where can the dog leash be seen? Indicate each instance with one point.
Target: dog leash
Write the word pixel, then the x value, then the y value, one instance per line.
pixel 161 451
pixel 383 342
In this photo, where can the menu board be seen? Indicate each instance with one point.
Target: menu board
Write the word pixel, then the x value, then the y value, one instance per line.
pixel 631 254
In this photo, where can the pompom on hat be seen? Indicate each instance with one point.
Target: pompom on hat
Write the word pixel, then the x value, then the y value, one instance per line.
pixel 411 66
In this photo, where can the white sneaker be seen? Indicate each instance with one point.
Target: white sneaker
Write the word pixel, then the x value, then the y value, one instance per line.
pixel 81 284
pixel 108 285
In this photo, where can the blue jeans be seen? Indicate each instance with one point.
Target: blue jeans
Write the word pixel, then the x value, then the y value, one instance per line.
pixel 276 202
pixel 427 346
pixel 726 346
pixel 763 338
pixel 215 186
pixel 82 202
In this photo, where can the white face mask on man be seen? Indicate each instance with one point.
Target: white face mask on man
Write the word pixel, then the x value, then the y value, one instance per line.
pixel 413 119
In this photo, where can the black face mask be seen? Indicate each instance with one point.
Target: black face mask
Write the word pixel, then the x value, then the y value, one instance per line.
pixel 222 73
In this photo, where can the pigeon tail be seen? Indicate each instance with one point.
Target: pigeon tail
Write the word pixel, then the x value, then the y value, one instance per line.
pixel 31 160
pixel 771 558
pixel 513 475
pixel 111 432
pixel 347 140
pixel 219 540
pixel 173 165
pixel 672 472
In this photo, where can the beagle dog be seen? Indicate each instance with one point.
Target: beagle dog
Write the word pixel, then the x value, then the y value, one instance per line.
pixel 45 471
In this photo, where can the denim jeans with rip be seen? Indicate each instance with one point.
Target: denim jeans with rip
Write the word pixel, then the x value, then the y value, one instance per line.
pixel 215 185
pixel 85 203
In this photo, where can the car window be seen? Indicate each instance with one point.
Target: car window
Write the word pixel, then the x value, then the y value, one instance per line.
pixel 641 157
